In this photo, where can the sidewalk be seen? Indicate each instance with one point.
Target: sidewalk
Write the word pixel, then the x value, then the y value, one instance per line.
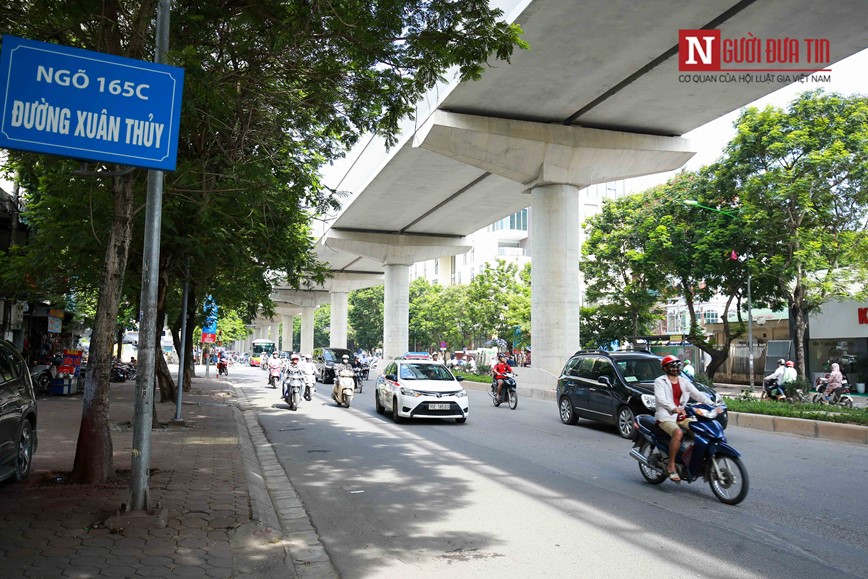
pixel 206 527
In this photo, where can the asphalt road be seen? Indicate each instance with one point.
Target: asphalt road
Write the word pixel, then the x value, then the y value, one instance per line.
pixel 518 494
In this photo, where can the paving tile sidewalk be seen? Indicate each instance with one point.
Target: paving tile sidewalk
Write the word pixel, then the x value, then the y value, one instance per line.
pixel 52 529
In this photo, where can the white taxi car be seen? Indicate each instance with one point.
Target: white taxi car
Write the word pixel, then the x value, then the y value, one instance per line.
pixel 420 389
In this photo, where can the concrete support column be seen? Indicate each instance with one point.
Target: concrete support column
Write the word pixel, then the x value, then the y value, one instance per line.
pixel 338 333
pixel 396 310
pixel 286 332
pixel 554 309
pixel 307 329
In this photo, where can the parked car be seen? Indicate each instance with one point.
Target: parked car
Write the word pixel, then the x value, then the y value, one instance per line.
pixel 17 415
pixel 613 387
pixel 325 360
pixel 420 389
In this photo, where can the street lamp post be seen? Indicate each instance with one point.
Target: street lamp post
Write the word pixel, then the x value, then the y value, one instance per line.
pixel 695 203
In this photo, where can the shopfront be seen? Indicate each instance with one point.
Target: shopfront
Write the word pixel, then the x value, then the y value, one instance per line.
pixel 839 333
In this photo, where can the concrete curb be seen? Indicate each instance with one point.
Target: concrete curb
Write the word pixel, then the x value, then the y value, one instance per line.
pixel 275 502
pixel 784 425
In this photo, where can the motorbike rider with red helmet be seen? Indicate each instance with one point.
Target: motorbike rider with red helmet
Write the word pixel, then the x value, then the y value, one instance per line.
pixel 671 391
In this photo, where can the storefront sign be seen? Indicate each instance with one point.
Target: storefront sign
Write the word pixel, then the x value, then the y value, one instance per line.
pixel 71 362
pixel 863 315
pixel 88 105
pixel 54 325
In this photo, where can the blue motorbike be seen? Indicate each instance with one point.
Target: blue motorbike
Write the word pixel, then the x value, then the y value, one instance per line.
pixel 704 454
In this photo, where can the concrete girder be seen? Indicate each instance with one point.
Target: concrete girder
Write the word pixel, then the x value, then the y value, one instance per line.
pixel 535 154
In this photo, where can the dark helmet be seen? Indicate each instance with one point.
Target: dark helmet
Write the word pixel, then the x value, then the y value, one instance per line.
pixel 781 361
pixel 668 360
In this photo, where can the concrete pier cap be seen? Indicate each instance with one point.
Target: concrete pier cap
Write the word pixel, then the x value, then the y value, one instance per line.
pixel 535 154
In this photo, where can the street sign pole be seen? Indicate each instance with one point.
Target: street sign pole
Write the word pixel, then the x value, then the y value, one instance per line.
pixel 183 355
pixel 141 453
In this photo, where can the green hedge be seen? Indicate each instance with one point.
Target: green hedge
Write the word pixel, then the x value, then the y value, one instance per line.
pixel 809 411
pixel 484 378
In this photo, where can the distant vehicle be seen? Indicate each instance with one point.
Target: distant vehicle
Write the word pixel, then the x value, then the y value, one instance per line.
pixel 325 359
pixel 613 387
pixel 420 389
pixel 17 415
pixel 261 348
pixel 417 356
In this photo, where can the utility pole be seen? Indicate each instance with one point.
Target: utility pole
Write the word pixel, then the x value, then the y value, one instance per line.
pixel 141 453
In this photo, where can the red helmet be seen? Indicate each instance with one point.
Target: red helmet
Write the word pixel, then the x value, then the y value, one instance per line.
pixel 669 360
pixel 790 364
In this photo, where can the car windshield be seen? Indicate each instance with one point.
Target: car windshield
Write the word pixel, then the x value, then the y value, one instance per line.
pixel 425 372
pixel 640 370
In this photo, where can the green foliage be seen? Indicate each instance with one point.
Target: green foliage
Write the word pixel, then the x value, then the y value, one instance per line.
pixel 822 413
pixel 703 378
pixel 481 378
pixel 365 317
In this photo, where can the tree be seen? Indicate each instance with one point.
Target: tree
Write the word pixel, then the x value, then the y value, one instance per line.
pixel 489 300
pixel 365 316
pixel 800 179
pixel 272 92
pixel 616 264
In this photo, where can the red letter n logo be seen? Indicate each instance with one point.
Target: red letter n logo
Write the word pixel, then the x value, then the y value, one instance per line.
pixel 698 50
pixel 863 315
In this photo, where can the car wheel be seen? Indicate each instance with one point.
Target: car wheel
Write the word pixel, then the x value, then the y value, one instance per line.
pixel 25 452
pixel 395 416
pixel 568 415
pixel 380 408
pixel 626 418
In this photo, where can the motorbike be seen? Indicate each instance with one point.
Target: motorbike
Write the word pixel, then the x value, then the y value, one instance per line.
pixel 508 392
pixel 273 376
pixel 357 380
pixel 706 454
pixel 292 389
pixel 772 391
pixel 309 385
pixel 41 376
pixel 346 387
pixel 118 373
pixel 222 368
pixel 842 398
pixel 364 372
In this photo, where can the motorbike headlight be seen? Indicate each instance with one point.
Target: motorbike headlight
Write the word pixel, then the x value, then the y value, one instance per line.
pixel 649 401
pixel 409 392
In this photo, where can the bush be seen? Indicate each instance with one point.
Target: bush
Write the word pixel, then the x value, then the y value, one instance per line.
pixel 800 384
pixel 703 379
pixel 808 411
pixel 474 377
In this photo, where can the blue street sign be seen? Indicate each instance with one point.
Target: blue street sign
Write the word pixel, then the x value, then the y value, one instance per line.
pixel 88 105
pixel 210 308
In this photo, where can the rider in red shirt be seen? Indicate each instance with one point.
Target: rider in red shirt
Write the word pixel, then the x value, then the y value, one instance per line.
pixel 499 371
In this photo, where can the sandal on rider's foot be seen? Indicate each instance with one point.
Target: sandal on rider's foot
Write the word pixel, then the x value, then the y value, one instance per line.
pixel 673 476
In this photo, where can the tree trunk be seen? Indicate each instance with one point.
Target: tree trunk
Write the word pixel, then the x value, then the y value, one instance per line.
pixel 119 340
pixel 93 452
pixel 168 389
pixel 162 376
pixel 800 340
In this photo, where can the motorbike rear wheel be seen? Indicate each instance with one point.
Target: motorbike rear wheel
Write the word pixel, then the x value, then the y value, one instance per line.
pixel 732 485
pixel 846 402
pixel 512 399
pixel 652 475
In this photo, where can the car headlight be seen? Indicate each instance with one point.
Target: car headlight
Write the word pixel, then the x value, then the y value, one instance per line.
pixel 409 392
pixel 649 401
pixel 461 394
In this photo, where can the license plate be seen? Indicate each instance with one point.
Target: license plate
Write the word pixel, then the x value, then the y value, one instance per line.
pixel 435 406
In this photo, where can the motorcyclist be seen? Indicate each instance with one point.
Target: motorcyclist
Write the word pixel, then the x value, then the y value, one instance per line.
pixel 777 391
pixel 499 372
pixel 671 392
pixel 274 369
pixel 344 365
pixel 835 383
pixel 309 370
pixel 790 374
pixel 292 369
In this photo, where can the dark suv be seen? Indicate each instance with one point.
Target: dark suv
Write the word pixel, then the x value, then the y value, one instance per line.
pixel 325 360
pixel 612 387
pixel 17 415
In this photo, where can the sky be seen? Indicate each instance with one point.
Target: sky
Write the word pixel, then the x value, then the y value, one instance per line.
pixel 849 76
